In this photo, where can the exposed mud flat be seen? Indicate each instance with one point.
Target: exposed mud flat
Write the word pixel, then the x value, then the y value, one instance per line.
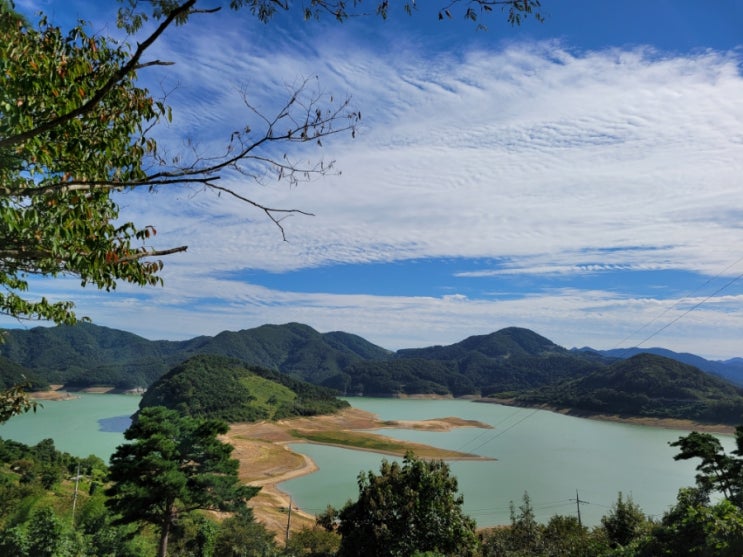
pixel 266 460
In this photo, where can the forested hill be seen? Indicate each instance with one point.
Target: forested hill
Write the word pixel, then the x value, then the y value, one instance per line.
pixel 86 355
pixel 730 369
pixel 218 387
pixel 646 385
pixel 509 363
pixel 14 374
pixel 511 359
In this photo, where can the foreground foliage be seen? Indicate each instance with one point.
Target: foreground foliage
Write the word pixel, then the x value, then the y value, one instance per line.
pixel 173 466
pixel 73 128
pixel 15 401
pixel 408 509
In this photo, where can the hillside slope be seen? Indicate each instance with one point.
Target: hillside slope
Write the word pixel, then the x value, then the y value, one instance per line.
pixel 732 369
pixel 86 355
pixel 511 359
pixel 13 374
pixel 647 385
pixel 210 386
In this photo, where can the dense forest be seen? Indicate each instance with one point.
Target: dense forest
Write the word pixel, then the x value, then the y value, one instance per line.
pixel 230 390
pixel 646 385
pixel 511 364
pixel 85 355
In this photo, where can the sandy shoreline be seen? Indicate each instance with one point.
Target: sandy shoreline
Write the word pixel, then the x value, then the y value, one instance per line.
pixel 58 392
pixel 266 460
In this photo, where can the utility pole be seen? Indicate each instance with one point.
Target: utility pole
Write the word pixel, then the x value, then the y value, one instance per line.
pixel 74 497
pixel 289 521
pixel 578 502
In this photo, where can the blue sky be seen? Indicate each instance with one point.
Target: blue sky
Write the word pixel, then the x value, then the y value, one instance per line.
pixel 579 177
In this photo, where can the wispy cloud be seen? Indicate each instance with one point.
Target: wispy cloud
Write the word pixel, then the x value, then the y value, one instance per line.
pixel 552 160
pixel 526 151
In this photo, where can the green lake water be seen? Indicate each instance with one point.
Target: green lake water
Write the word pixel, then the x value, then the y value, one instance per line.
pixel 89 424
pixel 547 454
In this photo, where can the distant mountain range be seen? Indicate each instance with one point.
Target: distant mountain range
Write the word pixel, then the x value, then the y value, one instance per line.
pixel 731 369
pixel 86 355
pixel 645 385
pixel 513 363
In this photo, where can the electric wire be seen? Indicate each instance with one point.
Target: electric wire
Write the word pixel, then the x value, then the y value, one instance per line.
pixel 504 431
pixel 485 432
pixel 695 306
pixel 679 302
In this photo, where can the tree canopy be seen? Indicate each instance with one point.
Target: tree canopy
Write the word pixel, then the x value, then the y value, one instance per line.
pixel 174 465
pixel 407 508
pixel 75 129
pixel 15 400
pixel 717 470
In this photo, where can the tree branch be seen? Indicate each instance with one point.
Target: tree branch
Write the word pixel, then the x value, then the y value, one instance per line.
pixel 269 211
pixel 152 253
pixel 153 63
pixel 113 80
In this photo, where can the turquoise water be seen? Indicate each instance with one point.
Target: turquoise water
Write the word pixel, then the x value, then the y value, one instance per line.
pixel 549 455
pixel 91 424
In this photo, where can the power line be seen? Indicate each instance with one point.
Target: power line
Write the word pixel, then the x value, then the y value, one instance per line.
pixel 680 301
pixel 509 428
pixel 695 306
pixel 487 431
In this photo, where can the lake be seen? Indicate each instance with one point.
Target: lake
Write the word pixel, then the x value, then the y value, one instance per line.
pixel 89 424
pixel 549 455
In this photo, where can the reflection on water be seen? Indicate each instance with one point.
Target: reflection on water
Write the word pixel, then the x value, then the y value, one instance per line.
pixel 89 424
pixel 117 424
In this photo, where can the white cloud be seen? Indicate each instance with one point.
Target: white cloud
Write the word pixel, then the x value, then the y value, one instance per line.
pixel 561 162
pixel 524 152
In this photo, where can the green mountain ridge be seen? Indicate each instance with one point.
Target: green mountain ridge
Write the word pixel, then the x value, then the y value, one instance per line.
pixel 731 369
pixel 646 385
pixel 510 359
pixel 510 363
pixel 86 355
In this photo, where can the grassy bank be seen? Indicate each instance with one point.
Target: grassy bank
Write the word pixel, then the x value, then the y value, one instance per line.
pixel 376 443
